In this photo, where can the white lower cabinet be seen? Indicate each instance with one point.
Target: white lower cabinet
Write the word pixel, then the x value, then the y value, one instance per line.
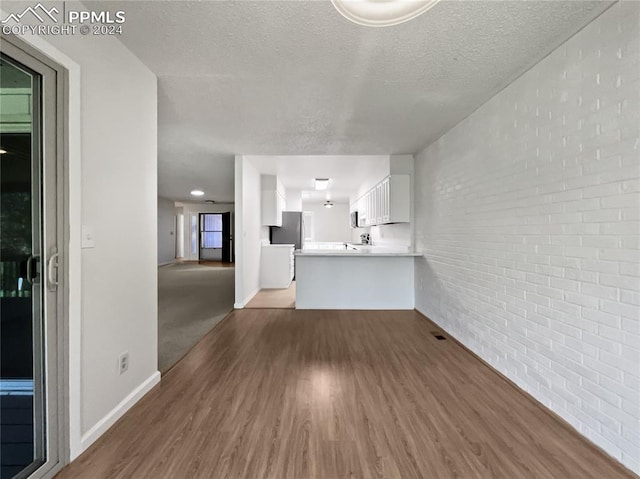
pixel 276 266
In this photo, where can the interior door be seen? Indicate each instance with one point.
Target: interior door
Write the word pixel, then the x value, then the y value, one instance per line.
pixel 30 385
pixel 227 238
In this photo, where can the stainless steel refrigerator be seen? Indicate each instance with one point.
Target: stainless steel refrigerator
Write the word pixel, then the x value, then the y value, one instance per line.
pixel 291 231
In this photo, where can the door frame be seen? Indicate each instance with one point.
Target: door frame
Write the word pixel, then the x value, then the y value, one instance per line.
pixel 231 231
pixel 200 231
pixel 55 188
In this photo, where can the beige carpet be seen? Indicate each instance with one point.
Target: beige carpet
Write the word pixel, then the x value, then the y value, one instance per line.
pixel 192 299
pixel 274 298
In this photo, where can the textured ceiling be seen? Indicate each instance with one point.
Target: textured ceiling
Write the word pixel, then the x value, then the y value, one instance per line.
pixel 296 78
pixel 346 173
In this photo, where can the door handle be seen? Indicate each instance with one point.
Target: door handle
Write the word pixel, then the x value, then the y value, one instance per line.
pixel 52 271
pixel 32 269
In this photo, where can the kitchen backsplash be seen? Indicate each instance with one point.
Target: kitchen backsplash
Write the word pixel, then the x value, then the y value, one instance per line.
pixel 396 235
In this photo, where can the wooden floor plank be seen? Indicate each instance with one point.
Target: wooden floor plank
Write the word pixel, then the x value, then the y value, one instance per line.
pixel 274 298
pixel 337 394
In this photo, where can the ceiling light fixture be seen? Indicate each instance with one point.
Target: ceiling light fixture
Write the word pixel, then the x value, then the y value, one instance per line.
pixel 197 193
pixel 328 204
pixel 322 183
pixel 382 13
pixel 2 151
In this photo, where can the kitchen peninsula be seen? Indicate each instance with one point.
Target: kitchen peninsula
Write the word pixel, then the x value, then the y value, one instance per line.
pixel 354 278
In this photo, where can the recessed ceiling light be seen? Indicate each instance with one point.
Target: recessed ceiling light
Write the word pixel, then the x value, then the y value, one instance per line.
pixel 322 183
pixel 2 151
pixel 197 193
pixel 328 204
pixel 382 13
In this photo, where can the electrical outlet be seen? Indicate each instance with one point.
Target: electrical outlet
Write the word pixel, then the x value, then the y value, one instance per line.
pixel 123 363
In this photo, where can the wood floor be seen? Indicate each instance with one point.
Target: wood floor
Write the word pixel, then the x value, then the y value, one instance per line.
pixel 206 262
pixel 274 298
pixel 329 394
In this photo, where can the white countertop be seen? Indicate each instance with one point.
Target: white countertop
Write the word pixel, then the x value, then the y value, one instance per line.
pixel 278 246
pixel 354 253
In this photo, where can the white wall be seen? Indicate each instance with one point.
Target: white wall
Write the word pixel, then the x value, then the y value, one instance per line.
pixel 527 214
pixel 294 200
pixel 249 231
pixel 390 236
pixel 166 231
pixel 329 224
pixel 371 176
pixel 112 154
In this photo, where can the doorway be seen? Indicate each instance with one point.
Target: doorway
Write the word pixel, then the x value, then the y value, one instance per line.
pixel 31 384
pixel 197 291
pixel 215 239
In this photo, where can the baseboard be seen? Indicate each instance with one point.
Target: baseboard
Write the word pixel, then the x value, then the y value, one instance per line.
pixel 246 300
pixel 117 412
pixel 166 263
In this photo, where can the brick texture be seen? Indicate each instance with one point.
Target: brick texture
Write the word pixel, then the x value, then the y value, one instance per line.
pixel 527 213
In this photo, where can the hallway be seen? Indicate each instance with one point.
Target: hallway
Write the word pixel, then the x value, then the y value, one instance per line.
pixel 192 298
pixel 333 394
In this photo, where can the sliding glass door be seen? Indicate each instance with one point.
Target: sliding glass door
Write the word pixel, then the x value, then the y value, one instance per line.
pixel 29 382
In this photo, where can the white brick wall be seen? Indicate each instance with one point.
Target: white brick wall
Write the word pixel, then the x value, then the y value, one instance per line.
pixel 527 214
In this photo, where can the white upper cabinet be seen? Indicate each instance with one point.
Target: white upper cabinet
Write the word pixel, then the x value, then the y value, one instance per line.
pixel 362 212
pixel 273 200
pixel 387 202
pixel 384 191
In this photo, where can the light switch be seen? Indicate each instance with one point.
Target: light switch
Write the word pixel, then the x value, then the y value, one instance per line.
pixel 87 238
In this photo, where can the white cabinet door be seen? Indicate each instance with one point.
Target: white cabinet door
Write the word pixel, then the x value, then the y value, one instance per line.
pixel 374 207
pixel 270 209
pixel 276 266
pixel 362 212
pixel 379 200
pixel 385 201
pixel 399 199
pixel 280 205
pixel 273 200
pixel 273 204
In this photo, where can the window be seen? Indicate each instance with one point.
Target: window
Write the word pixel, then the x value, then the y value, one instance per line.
pixel 194 234
pixel 307 224
pixel 210 231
